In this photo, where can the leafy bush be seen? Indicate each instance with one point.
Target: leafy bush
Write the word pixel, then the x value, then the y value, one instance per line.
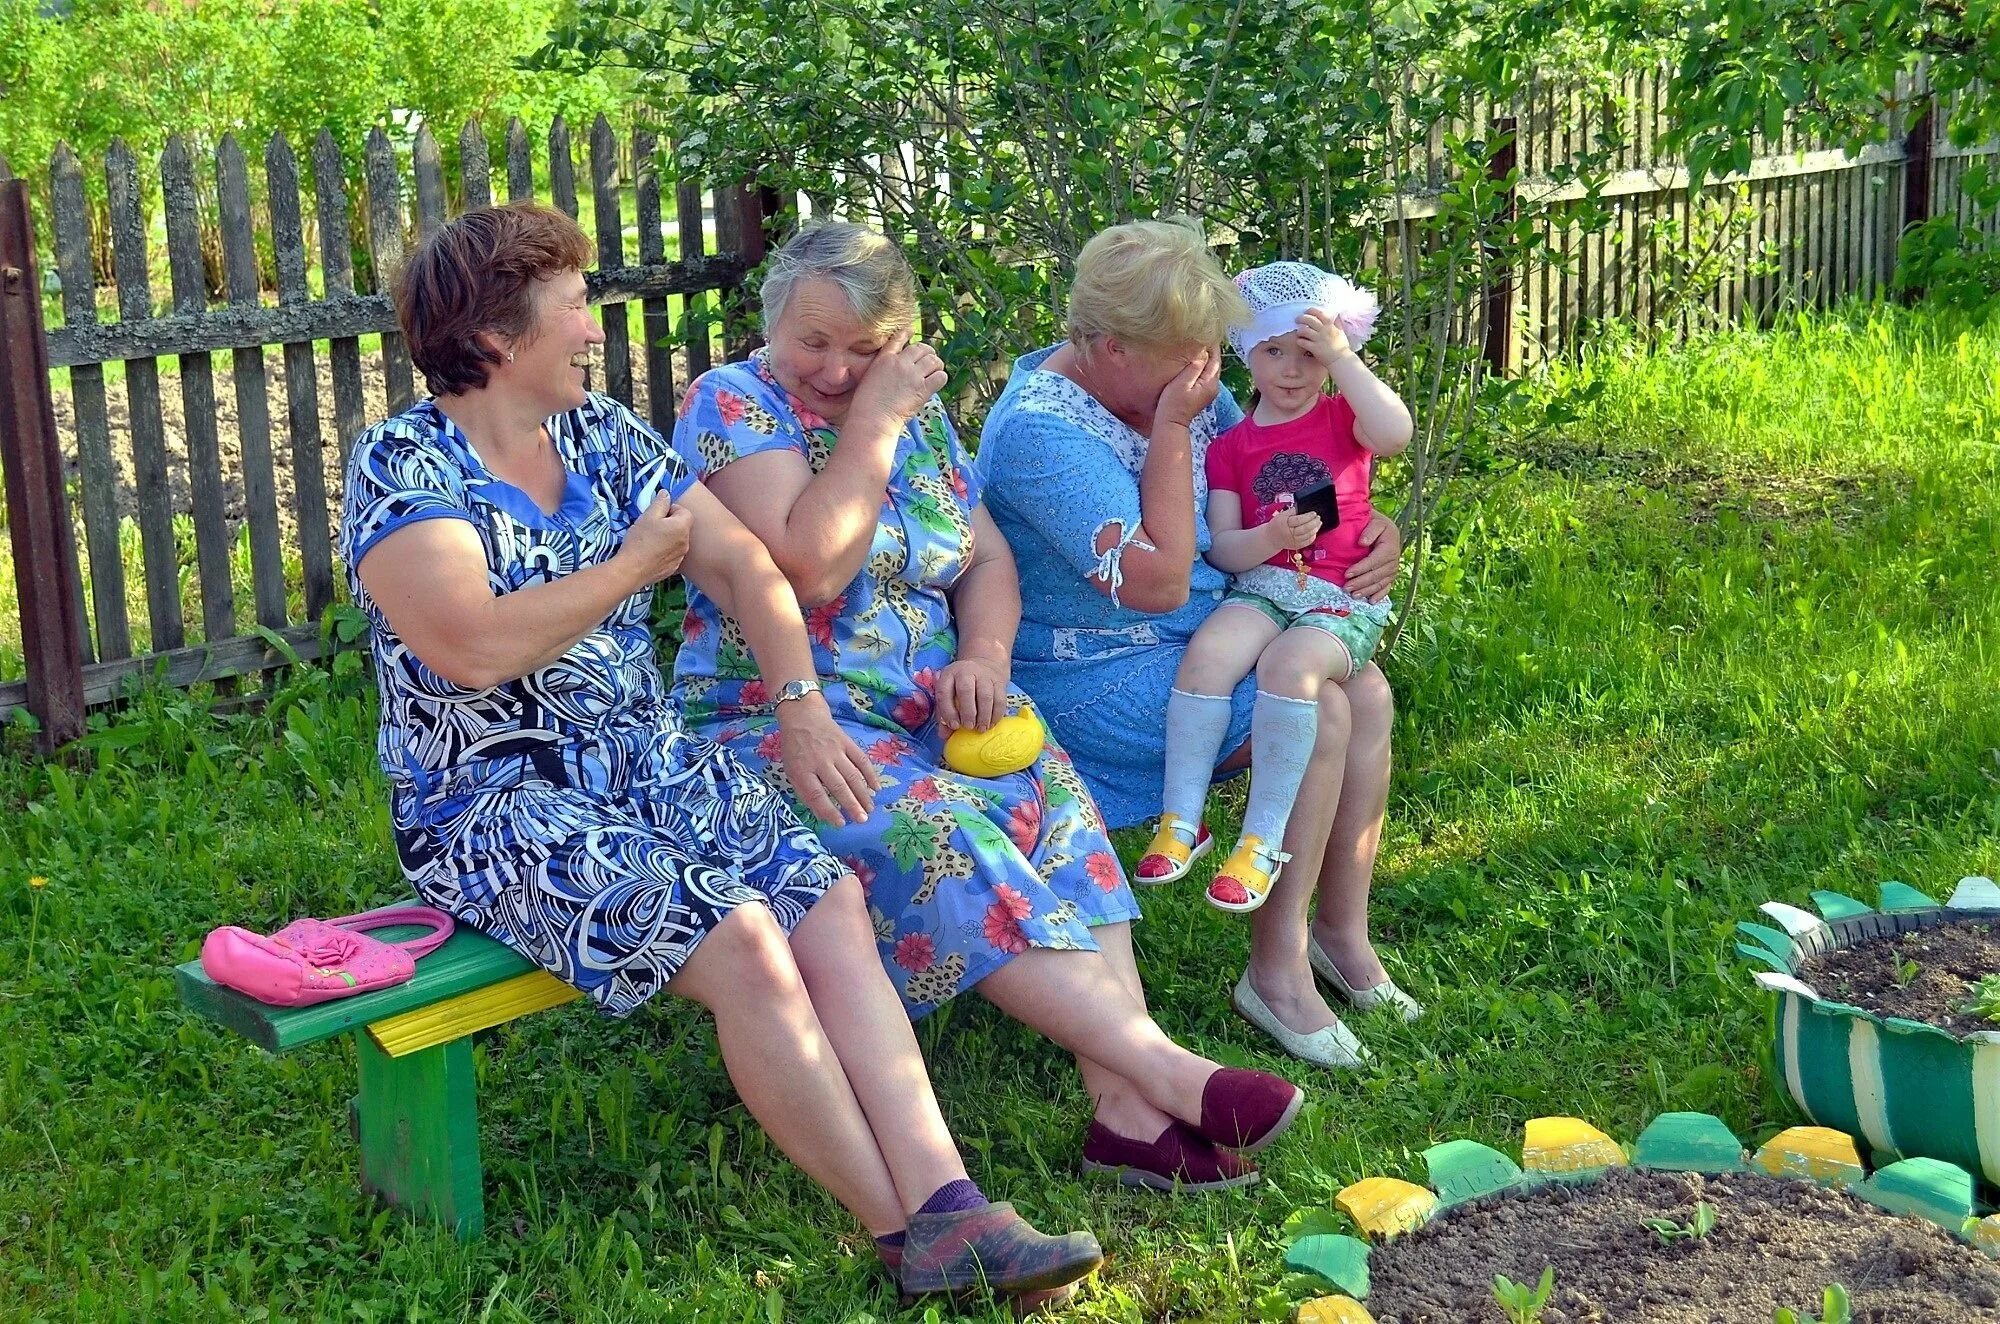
pixel 993 137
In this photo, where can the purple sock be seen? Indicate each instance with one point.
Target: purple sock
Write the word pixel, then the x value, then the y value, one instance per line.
pixel 954 1196
pixel 886 1244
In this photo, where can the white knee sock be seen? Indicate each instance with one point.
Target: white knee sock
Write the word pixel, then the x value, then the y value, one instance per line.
pixel 1282 732
pixel 1196 725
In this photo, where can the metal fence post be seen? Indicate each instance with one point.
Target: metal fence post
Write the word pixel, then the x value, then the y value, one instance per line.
pixel 45 567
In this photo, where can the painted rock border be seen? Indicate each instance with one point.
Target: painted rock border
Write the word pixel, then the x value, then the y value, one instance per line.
pixel 1571 1149
pixel 1906 1088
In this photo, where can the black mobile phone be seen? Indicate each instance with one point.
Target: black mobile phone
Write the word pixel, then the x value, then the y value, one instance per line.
pixel 1319 500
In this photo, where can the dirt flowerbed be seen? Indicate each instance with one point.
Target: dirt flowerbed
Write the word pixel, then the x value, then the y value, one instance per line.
pixel 1773 1243
pixel 1923 976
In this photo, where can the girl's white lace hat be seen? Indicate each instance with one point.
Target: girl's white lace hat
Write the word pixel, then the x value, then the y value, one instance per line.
pixel 1279 292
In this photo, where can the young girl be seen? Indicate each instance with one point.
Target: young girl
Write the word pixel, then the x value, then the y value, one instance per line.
pixel 1288 614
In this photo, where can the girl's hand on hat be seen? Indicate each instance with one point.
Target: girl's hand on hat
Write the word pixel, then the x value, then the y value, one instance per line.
pixel 1323 336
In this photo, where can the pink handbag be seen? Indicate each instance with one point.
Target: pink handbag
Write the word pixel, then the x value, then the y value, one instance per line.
pixel 317 960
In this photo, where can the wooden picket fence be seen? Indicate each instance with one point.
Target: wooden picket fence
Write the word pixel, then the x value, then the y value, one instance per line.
pixel 1833 220
pixel 308 328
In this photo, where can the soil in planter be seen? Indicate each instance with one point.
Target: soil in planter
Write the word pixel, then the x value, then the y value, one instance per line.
pixel 1922 976
pixel 1774 1243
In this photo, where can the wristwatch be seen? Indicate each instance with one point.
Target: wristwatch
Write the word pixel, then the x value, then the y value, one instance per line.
pixel 795 689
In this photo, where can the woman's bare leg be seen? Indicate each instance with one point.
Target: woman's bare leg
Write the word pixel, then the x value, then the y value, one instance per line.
pixel 1341 926
pixel 779 1057
pixel 1078 1000
pixel 877 1050
pixel 1120 1104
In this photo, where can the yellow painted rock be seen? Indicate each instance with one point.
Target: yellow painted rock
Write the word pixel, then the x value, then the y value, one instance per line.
pixel 1818 1152
pixel 1384 1206
pixel 1985 1234
pixel 1334 1310
pixel 1568 1144
pixel 1009 745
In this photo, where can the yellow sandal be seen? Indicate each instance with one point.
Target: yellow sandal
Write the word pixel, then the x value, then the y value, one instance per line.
pixel 1176 845
pixel 1245 878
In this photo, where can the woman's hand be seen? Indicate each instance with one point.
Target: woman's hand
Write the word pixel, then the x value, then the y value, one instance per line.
pixel 657 541
pixel 971 692
pixel 825 767
pixel 1192 390
pixel 1375 574
pixel 903 376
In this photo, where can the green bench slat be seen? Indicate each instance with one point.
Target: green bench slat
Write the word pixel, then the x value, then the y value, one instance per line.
pixel 465 962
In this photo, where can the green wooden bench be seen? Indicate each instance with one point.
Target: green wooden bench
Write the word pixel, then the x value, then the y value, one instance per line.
pixel 416 1115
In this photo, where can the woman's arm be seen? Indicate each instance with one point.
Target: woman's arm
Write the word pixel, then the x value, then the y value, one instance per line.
pixel 1381 420
pixel 430 581
pixel 818 527
pixel 986 606
pixel 1158 556
pixel 731 566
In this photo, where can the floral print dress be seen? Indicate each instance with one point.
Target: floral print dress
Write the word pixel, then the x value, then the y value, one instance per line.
pixel 962 873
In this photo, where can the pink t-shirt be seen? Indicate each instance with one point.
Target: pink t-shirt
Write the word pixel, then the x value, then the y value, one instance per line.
pixel 1258 463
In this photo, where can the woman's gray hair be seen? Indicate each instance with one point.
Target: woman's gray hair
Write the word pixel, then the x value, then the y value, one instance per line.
pixel 869 269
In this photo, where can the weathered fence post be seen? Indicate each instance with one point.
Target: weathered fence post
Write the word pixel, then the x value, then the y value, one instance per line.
pixel 1916 184
pixel 37 513
pixel 1499 349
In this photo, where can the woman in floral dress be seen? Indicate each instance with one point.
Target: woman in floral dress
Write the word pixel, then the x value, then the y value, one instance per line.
pixel 832 447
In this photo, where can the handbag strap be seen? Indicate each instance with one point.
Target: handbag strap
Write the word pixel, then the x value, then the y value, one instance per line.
pixel 439 923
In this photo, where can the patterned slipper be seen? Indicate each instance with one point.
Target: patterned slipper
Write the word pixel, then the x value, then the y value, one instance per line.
pixel 1176 845
pixel 991 1247
pixel 1179 1160
pixel 1246 1110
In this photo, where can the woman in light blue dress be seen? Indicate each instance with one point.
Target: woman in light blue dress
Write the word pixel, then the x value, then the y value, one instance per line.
pixel 1092 461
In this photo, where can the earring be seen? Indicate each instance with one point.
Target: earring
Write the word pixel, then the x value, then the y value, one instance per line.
pixel 510 356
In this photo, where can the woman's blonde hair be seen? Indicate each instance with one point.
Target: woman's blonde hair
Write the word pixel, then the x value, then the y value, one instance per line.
pixel 869 269
pixel 1152 284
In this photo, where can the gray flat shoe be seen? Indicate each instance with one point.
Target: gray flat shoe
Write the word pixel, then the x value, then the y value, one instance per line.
pixel 1334 1046
pixel 1384 994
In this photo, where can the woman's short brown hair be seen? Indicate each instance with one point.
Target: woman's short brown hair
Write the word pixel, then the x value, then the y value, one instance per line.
pixel 478 273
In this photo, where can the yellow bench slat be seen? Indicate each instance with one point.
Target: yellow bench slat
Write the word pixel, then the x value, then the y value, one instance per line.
pixel 441 1022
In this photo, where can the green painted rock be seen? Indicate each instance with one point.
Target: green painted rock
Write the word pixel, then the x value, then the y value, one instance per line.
pixel 1688 1142
pixel 1342 1261
pixel 1464 1170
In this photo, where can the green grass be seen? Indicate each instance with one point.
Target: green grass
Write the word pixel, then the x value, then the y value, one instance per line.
pixel 1727 639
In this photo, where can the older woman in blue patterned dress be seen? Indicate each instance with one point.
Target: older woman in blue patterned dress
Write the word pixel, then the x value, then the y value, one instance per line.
pixel 504 539
pixel 832 447
pixel 1093 467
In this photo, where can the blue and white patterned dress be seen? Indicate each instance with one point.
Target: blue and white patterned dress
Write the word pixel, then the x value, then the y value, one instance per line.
pixel 568 813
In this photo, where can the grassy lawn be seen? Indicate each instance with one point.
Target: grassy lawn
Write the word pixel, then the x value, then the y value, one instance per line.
pixel 1727 638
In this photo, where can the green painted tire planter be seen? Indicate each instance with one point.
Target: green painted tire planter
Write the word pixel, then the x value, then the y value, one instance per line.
pixel 1568 1149
pixel 1905 1088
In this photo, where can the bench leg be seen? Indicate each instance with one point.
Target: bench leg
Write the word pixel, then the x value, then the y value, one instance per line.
pixel 417 1120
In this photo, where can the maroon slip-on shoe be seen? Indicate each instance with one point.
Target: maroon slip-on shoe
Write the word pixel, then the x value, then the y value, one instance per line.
pixel 1179 1160
pixel 1246 1110
pixel 991 1247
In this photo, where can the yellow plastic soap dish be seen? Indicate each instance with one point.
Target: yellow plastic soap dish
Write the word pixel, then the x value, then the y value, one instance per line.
pixel 1009 745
